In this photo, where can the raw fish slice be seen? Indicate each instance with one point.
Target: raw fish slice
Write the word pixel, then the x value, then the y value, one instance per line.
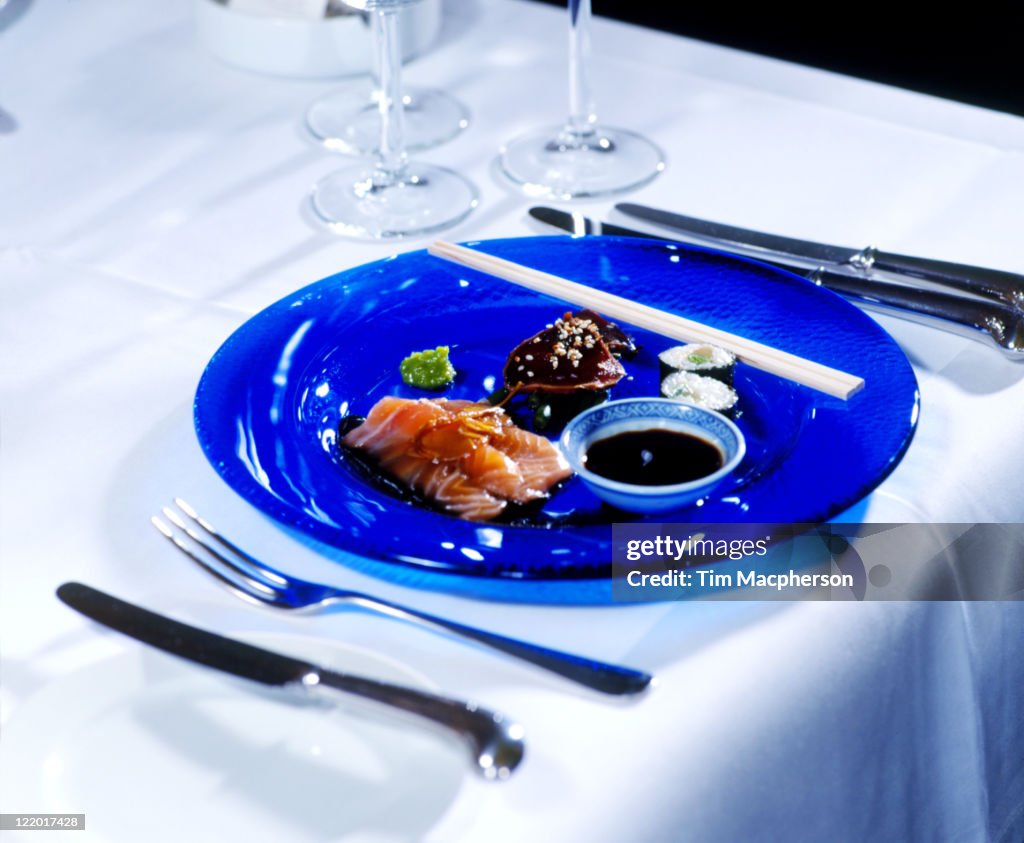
pixel 463 407
pixel 485 469
pixel 461 432
pixel 449 486
pixel 393 424
pixel 445 441
pixel 390 431
pixel 497 473
pixel 540 463
pixel 468 457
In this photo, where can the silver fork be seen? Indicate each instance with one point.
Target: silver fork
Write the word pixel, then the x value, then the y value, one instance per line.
pixel 257 582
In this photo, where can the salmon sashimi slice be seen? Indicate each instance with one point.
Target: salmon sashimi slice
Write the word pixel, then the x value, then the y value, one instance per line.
pixel 500 475
pixel 392 424
pixel 540 468
pixel 468 457
pixel 447 485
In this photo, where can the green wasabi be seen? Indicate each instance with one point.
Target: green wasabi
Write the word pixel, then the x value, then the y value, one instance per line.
pixel 429 369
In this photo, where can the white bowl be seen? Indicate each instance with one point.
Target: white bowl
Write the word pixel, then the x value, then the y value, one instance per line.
pixel 628 414
pixel 306 47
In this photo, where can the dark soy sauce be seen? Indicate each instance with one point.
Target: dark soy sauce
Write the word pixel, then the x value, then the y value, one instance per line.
pixel 653 457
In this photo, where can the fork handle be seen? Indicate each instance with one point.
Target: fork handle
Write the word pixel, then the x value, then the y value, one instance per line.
pixel 600 676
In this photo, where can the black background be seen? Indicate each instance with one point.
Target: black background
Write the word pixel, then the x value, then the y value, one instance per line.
pixel 970 52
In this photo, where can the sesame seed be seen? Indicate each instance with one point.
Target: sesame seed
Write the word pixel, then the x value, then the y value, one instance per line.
pixel 529 374
pixel 528 357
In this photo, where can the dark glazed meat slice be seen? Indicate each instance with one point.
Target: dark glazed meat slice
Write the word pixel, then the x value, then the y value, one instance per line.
pixel 568 356
pixel 618 341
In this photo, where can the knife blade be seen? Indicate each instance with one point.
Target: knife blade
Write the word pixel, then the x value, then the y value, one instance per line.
pixel 995 284
pixel 495 740
pixel 992 323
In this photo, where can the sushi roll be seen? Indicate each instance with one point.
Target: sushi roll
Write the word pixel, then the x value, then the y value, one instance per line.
pixel 706 392
pixel 699 358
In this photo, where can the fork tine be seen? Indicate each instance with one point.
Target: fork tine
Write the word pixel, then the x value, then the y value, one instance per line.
pixel 250 577
pixel 253 590
pixel 241 566
pixel 215 534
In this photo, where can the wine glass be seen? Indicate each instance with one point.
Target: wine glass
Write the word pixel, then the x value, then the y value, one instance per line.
pixel 393 196
pixel 580 158
pixel 347 120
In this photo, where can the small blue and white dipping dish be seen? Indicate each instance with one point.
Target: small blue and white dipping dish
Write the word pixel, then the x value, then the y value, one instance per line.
pixel 596 436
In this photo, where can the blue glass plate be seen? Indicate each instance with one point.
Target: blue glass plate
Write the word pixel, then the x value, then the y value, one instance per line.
pixel 269 403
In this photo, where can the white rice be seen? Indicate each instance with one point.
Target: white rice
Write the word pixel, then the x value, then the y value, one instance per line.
pixel 697 357
pixel 696 389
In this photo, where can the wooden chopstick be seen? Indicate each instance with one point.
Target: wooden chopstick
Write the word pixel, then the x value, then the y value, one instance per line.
pixel 782 363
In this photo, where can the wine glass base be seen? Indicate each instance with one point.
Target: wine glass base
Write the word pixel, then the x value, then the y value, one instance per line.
pixel 556 164
pixel 358 202
pixel 348 120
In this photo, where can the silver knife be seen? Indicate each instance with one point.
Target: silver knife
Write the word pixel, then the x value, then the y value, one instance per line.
pixel 995 284
pixel 496 742
pixel 990 322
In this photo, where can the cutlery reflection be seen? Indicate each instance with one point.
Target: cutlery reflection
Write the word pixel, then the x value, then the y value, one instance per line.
pixel 257 582
pixel 496 741
pixel 990 322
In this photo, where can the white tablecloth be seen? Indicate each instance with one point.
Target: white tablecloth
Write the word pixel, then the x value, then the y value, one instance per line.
pixel 151 200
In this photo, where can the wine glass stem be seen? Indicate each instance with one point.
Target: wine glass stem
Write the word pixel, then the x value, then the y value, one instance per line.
pixel 582 116
pixel 388 64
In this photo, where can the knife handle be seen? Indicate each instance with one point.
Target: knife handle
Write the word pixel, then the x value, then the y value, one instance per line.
pixel 497 742
pixel 1007 287
pixel 991 322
